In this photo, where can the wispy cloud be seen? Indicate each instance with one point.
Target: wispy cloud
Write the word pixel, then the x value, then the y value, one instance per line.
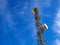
pixel 56 27
pixel 25 7
pixel 35 3
pixel 3 6
pixel 7 16
pixel 8 19
pixel 57 22
pixel 47 3
pixel 57 42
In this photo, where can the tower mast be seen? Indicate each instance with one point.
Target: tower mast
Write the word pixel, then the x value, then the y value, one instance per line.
pixel 39 27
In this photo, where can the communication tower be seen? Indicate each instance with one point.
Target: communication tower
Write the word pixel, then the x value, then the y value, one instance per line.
pixel 39 27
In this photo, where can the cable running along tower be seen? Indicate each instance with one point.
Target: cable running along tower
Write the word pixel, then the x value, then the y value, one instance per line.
pixel 39 27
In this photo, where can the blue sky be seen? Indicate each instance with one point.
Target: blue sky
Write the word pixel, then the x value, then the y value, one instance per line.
pixel 17 23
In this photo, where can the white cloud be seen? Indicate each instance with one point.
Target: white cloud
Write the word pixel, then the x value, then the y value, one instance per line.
pixel 24 8
pixel 57 42
pixel 57 23
pixel 9 19
pixel 35 3
pixel 47 3
pixel 56 27
pixel 7 16
pixel 3 5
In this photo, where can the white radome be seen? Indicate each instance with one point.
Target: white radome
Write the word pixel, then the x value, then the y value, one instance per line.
pixel 45 26
pixel 33 12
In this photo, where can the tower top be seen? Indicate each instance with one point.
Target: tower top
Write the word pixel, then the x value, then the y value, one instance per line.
pixel 35 11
